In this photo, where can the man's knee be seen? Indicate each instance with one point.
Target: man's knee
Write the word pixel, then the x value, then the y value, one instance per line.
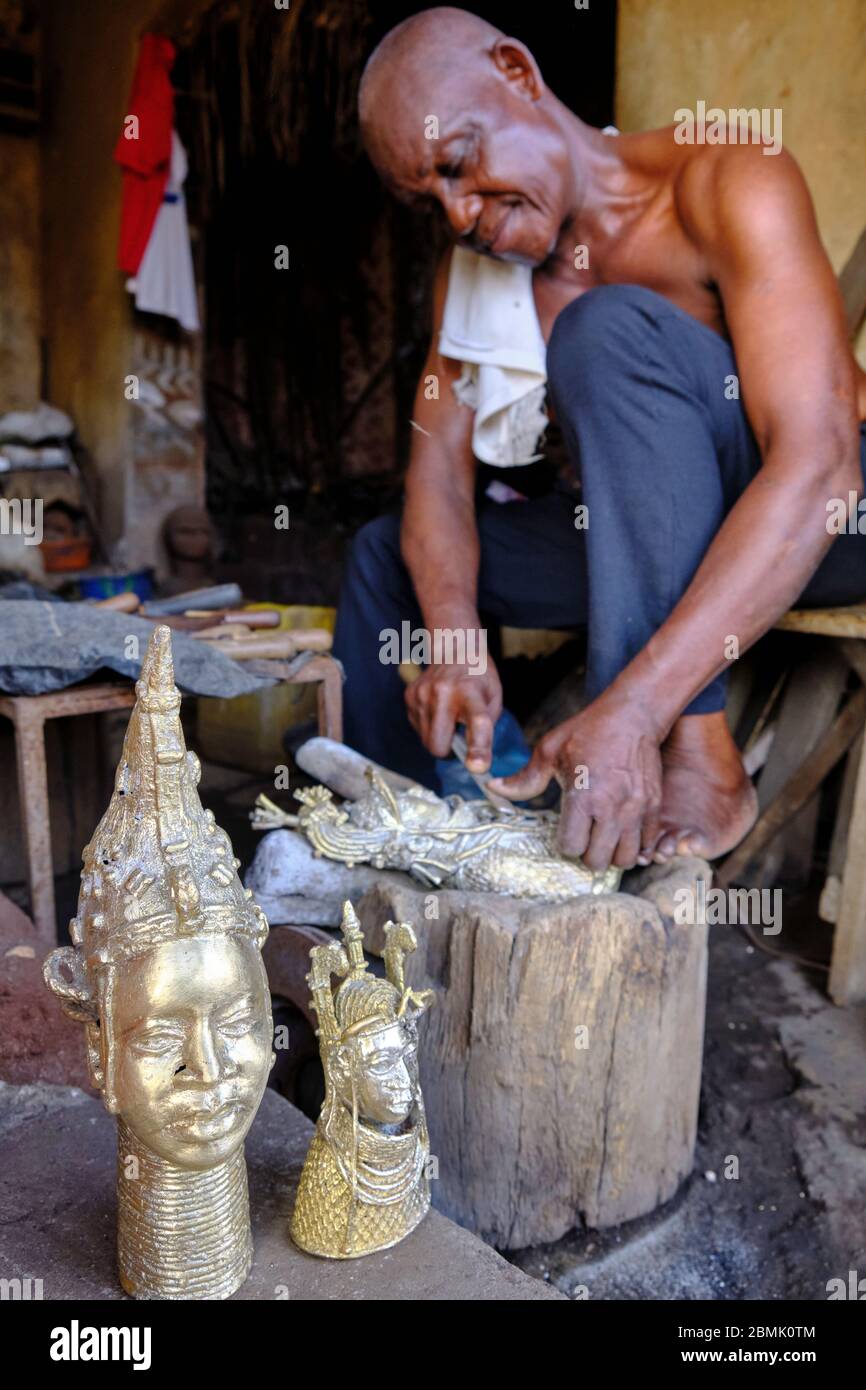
pixel 599 328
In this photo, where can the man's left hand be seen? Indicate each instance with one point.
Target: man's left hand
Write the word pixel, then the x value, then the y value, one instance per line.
pixel 607 762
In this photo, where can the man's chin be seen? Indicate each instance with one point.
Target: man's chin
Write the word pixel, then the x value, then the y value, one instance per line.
pixel 522 258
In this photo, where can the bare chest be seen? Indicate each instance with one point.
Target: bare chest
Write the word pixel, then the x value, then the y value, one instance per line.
pixel 659 257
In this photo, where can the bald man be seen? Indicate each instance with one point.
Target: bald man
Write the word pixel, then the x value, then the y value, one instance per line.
pixel 707 511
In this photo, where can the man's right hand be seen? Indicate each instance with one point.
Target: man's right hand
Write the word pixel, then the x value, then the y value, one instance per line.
pixel 443 697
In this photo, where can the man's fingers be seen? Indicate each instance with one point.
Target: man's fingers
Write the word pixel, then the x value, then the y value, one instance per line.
pixel 442 724
pixel 529 781
pixel 602 845
pixel 575 825
pixel 419 712
pixel 628 849
pixel 479 742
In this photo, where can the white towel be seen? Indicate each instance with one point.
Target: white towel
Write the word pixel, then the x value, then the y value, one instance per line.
pixel 490 325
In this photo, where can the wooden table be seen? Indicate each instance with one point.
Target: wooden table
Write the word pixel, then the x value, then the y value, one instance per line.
pixel 28 714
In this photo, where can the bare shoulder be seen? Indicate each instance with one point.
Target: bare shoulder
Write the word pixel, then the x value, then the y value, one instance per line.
pixel 726 192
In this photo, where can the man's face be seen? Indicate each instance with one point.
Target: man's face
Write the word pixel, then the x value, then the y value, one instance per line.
pixel 385 1074
pixel 498 170
pixel 192 1047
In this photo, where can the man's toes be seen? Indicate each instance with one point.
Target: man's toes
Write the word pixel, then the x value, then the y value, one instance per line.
pixel 692 842
pixel 665 849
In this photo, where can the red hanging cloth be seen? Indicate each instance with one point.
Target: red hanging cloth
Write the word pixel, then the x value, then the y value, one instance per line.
pixel 143 149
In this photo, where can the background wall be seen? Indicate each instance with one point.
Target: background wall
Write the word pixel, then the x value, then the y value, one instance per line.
pixel 809 59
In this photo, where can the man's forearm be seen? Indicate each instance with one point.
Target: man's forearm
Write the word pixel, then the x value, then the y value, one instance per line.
pixel 439 542
pixel 768 548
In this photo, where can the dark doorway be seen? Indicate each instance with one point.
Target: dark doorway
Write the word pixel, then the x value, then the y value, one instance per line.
pixel 310 370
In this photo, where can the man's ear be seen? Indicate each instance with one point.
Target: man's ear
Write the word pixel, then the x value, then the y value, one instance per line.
pixel 517 65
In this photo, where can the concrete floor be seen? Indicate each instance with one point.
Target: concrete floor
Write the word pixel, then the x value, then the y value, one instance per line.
pixel 784 1094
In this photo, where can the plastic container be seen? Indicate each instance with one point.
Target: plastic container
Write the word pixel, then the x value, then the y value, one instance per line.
pixel 67 555
pixel 99 586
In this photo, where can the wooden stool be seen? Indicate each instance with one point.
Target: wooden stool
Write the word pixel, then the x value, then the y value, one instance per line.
pixel 561 1064
pixel 811 739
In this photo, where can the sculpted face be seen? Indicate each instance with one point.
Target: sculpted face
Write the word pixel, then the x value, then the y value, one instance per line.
pixel 386 1076
pixel 500 168
pixel 191 1042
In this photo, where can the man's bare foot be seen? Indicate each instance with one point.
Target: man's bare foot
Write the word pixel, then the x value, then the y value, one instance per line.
pixel 708 801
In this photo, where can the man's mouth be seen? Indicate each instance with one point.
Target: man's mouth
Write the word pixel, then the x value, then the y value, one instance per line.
pixel 488 245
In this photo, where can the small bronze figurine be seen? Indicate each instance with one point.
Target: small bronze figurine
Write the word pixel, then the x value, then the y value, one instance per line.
pixel 444 842
pixel 167 976
pixel 365 1183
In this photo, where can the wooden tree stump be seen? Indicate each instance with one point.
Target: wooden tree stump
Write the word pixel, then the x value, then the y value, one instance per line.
pixel 561 1064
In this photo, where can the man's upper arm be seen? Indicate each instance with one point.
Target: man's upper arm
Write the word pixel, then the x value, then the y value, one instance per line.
pixel 755 224
pixel 444 437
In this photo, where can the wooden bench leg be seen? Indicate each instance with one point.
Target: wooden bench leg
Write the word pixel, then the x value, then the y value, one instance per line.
pixel 831 893
pixel 330 700
pixel 29 726
pixel 848 966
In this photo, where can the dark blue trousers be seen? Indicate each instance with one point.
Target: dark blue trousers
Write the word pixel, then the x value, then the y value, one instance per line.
pixel 647 400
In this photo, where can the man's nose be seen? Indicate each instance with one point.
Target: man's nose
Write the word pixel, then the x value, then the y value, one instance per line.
pixel 462 212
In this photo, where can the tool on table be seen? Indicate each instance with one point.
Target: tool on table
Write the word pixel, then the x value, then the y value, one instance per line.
pixel 120 603
pixel 272 646
pixel 217 596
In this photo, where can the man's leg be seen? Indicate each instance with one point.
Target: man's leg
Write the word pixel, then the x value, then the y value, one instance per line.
pixel 532 562
pixel 647 400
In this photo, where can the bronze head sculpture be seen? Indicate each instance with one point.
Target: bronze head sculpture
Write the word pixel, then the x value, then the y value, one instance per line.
pixel 365 1183
pixel 166 975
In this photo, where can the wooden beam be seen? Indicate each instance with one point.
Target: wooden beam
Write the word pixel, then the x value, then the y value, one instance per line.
pixel 848 965
pixel 809 706
pixel 799 788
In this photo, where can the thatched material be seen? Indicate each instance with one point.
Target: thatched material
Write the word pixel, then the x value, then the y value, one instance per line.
pixel 311 370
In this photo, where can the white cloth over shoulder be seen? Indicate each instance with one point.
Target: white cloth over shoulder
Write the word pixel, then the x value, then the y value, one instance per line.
pixel 165 283
pixel 490 325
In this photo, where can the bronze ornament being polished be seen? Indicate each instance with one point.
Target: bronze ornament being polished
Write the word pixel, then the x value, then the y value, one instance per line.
pixel 445 842
pixel 166 975
pixel 365 1183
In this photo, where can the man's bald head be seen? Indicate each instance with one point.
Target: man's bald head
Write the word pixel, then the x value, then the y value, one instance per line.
pixel 428 47
pixel 452 111
pixel 419 68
